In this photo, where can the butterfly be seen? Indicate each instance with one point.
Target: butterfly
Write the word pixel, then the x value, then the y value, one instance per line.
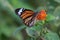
pixel 28 16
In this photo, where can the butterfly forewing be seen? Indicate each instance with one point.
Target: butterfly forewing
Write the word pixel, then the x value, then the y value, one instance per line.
pixel 26 15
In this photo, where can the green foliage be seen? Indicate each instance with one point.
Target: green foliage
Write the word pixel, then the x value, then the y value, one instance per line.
pixel 51 36
pixel 31 32
pixel 58 1
pixel 11 25
pixel 50 17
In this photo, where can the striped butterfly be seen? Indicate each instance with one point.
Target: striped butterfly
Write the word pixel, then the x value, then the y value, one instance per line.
pixel 29 16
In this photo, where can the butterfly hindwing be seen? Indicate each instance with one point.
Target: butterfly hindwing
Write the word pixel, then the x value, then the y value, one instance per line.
pixel 26 15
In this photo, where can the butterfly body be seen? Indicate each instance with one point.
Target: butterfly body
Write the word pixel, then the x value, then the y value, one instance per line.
pixel 28 16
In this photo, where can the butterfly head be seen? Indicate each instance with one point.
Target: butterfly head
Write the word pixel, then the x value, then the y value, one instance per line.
pixel 19 11
pixel 41 15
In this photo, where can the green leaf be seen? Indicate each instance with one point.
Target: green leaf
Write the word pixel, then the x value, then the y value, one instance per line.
pixel 58 1
pixel 50 17
pixel 32 33
pixel 57 12
pixel 51 36
pixel 18 29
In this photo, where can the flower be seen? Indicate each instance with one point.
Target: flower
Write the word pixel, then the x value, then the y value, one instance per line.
pixel 41 15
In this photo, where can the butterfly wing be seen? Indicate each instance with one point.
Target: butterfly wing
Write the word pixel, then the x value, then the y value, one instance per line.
pixel 26 15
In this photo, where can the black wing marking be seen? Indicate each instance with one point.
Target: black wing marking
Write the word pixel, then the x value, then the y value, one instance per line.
pixel 29 20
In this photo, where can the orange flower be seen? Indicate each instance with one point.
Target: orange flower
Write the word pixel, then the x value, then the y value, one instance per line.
pixel 41 15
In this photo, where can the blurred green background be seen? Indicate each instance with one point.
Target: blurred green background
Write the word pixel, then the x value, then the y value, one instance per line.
pixel 9 21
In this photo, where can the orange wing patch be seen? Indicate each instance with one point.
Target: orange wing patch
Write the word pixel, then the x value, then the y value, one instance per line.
pixel 26 14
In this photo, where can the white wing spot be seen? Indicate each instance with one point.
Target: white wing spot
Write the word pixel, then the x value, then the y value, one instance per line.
pixel 31 23
pixel 19 13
